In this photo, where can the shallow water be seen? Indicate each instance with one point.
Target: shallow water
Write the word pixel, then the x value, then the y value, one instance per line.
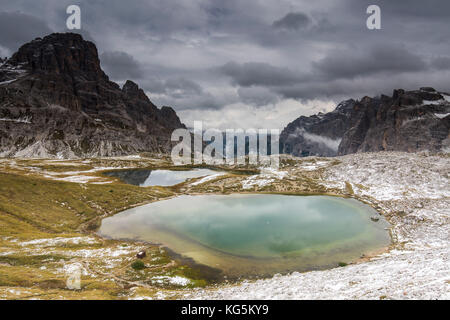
pixel 256 235
pixel 146 178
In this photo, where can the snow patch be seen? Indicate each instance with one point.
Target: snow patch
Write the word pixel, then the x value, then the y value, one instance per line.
pixel 51 242
pixel 266 177
pixel 101 253
pixel 311 166
pixel 413 120
pixel 433 102
pixel 176 280
pixel 7 81
pixel 441 115
pixel 19 120
pixel 207 178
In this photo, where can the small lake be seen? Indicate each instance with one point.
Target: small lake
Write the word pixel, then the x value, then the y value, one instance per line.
pixel 253 235
pixel 146 178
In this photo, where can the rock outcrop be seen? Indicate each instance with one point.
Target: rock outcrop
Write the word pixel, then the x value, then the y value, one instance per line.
pixel 55 100
pixel 408 121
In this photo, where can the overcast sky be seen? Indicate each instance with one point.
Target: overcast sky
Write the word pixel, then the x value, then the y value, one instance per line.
pixel 245 63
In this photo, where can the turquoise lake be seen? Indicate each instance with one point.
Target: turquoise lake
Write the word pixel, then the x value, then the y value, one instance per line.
pixel 252 235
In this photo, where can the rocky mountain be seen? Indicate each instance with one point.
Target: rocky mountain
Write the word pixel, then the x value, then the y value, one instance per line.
pixel 55 100
pixel 408 121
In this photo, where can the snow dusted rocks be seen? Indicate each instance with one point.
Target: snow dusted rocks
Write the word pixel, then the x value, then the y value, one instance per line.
pixel 207 178
pixel 267 176
pixel 413 192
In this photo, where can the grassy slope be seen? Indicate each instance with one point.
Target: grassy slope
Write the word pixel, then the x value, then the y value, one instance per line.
pixel 34 208
pixel 55 206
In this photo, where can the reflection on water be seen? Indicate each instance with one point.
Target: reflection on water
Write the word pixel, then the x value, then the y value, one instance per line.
pixel 145 178
pixel 246 235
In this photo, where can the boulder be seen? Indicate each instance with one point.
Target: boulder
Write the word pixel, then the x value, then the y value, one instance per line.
pixel 141 254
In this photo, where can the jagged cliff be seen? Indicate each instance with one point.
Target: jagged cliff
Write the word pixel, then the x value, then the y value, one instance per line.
pixel 408 121
pixel 55 100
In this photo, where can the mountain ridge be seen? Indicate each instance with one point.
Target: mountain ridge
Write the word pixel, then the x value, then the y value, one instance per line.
pixel 410 121
pixel 56 101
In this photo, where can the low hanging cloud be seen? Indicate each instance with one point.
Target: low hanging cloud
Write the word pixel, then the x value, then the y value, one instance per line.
pixel 332 144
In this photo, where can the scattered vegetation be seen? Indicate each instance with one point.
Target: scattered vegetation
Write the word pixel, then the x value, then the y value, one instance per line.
pixel 349 188
pixel 138 265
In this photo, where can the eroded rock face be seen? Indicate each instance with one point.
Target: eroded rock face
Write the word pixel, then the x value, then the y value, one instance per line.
pixel 319 134
pixel 408 121
pixel 55 100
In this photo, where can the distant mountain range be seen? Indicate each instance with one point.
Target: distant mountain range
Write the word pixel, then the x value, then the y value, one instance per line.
pixel 408 121
pixel 56 101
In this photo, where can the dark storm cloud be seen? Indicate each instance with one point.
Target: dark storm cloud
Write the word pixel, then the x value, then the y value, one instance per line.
pixel 441 63
pixel 189 101
pixel 17 28
pixel 293 21
pixel 386 58
pixel 342 89
pixel 262 74
pixel 177 87
pixel 183 93
pixel 141 18
pixel 120 65
pixel 258 96
pixel 208 55
pixel 430 9
pixel 330 76
pixel 183 86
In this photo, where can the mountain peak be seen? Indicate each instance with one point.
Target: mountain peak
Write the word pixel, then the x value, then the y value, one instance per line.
pixel 60 53
pixel 132 90
pixel 130 86
pixel 62 103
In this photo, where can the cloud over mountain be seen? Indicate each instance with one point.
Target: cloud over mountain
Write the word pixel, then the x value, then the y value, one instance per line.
pixel 212 55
